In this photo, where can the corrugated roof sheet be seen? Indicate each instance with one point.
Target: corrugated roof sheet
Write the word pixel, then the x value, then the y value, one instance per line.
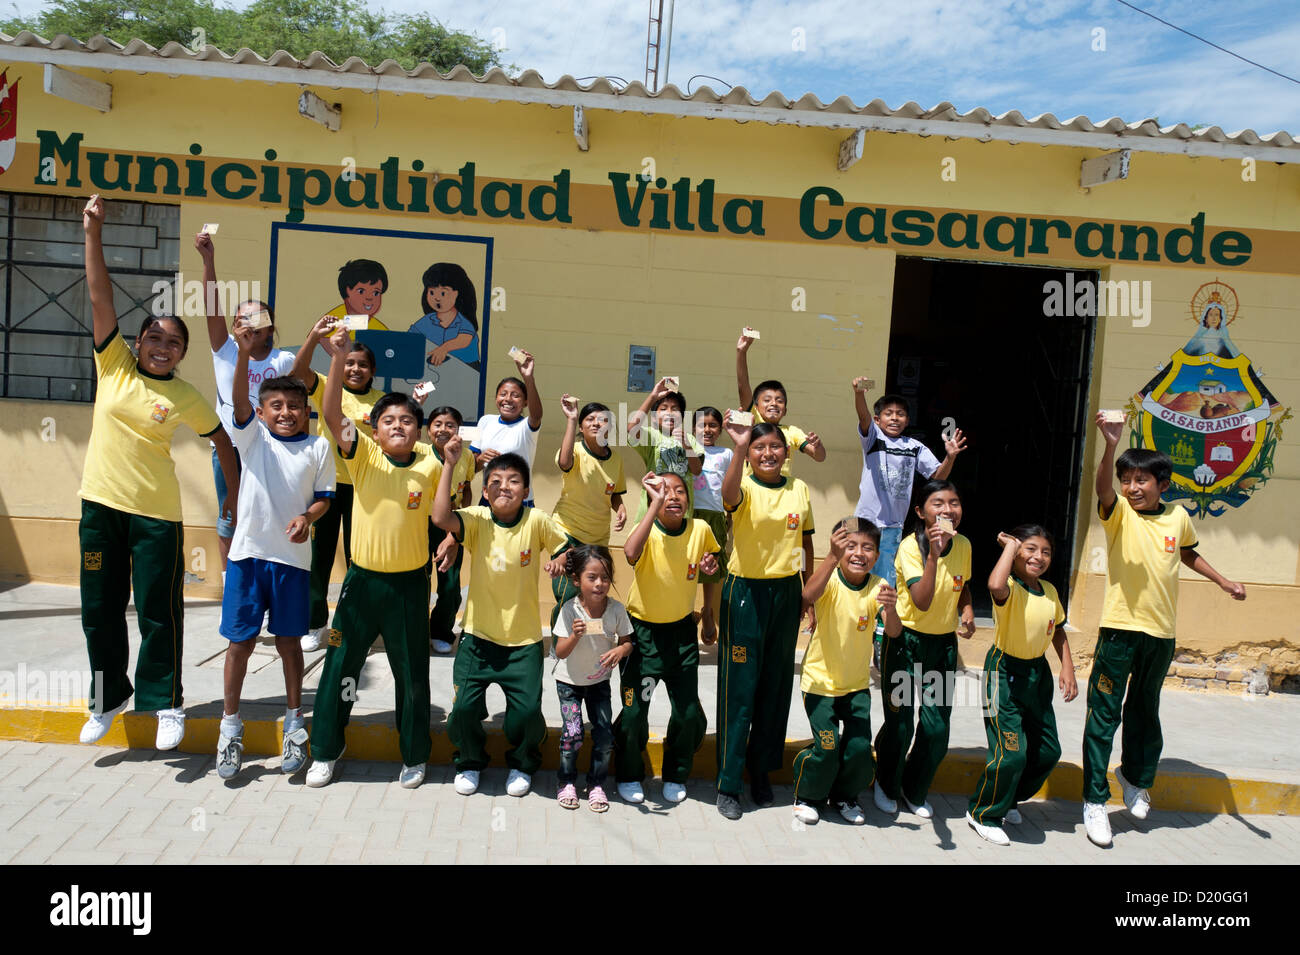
pixel 737 97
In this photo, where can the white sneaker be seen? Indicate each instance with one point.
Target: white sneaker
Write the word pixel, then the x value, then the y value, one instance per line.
pixel 98 725
pixel 441 646
pixel 312 641
pixel 673 792
pixel 883 802
pixel 1138 801
pixel 852 813
pixel 467 782
pixel 925 810
pixel 1013 817
pixel 518 783
pixel 806 813
pixel 230 754
pixel 171 728
pixel 320 772
pixel 991 834
pixel 1096 823
pixel 633 793
pixel 411 776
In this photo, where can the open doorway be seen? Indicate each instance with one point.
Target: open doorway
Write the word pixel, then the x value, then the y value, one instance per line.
pixel 970 342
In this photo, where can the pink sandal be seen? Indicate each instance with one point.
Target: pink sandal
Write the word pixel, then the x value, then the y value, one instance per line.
pixel 568 797
pixel 596 800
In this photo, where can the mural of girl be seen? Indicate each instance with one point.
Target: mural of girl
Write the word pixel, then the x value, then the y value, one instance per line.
pixel 450 315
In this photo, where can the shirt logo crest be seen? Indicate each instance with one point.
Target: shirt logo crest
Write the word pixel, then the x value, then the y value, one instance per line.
pixel 827 738
pixel 413 500
pixel 609 487
pixel 792 522
pixel 863 621
pixel 957 582
pixel 160 412
pixel 691 570
pixel 1171 545
pixel 525 557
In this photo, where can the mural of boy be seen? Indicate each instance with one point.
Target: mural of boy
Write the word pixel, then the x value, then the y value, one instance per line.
pixel 362 284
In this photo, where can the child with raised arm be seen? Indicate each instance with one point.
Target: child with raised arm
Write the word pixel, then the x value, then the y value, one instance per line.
pixel 1146 541
pixel 592 636
pixel 656 432
pixel 513 429
pixel 768 400
pixel 287 483
pixel 386 591
pixel 265 361
pixel 708 508
pixel 1018 717
pixel 772 523
pixel 443 423
pixel 918 668
pixel 668 551
pixel 890 463
pixel 593 485
pixel 358 400
pixel 132 540
pixel 836 681
pixel 501 632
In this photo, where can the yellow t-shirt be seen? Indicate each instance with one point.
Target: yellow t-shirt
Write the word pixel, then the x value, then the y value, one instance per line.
pixel 1026 621
pixel 341 311
pixel 950 577
pixel 356 408
pixel 460 477
pixel 583 509
pixel 663 588
pixel 768 526
pixel 1143 552
pixel 838 659
pixel 129 462
pixel 795 439
pixel 390 507
pixel 504 560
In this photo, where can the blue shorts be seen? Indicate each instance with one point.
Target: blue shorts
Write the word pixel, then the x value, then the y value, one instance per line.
pixel 254 586
pixel 890 538
pixel 225 528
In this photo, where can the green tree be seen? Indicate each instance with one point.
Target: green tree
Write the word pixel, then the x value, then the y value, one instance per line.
pixel 337 28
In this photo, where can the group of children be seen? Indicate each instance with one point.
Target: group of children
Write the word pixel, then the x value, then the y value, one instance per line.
pixel 733 520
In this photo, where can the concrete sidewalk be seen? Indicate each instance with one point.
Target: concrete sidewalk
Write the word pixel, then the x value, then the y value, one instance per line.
pixel 1223 753
pixel 84 805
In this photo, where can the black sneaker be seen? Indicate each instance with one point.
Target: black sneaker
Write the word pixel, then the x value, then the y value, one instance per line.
pixel 728 806
pixel 761 790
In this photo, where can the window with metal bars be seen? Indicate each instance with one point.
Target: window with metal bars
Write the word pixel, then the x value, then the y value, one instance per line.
pixel 46 333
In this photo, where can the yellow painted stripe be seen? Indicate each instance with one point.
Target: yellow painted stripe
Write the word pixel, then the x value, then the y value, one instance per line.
pixel 958 774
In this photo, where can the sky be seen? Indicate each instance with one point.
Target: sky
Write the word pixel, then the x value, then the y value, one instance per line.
pixel 1097 58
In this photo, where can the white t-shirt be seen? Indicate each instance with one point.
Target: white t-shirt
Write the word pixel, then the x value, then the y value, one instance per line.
pixel 280 479
pixel 889 466
pixel 275 365
pixel 582 666
pixel 708 483
pixel 513 437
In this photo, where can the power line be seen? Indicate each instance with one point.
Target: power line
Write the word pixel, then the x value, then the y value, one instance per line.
pixel 1208 42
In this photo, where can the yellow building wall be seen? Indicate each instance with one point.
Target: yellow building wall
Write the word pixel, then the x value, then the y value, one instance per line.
pixel 576 296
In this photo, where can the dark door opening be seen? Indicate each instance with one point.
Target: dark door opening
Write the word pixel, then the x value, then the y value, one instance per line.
pixel 970 345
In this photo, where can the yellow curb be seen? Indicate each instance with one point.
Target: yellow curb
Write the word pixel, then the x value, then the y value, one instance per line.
pixel 1205 792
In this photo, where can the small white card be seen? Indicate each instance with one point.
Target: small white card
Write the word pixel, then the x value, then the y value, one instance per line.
pixel 1112 416
pixel 210 228
pixel 259 319
pixel 945 524
pixel 468 433
pixel 743 418
pixel 517 355
pixel 422 391
pixel 354 323
pixel 866 384
pixel 751 333
pixel 673 383
pixel 595 628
